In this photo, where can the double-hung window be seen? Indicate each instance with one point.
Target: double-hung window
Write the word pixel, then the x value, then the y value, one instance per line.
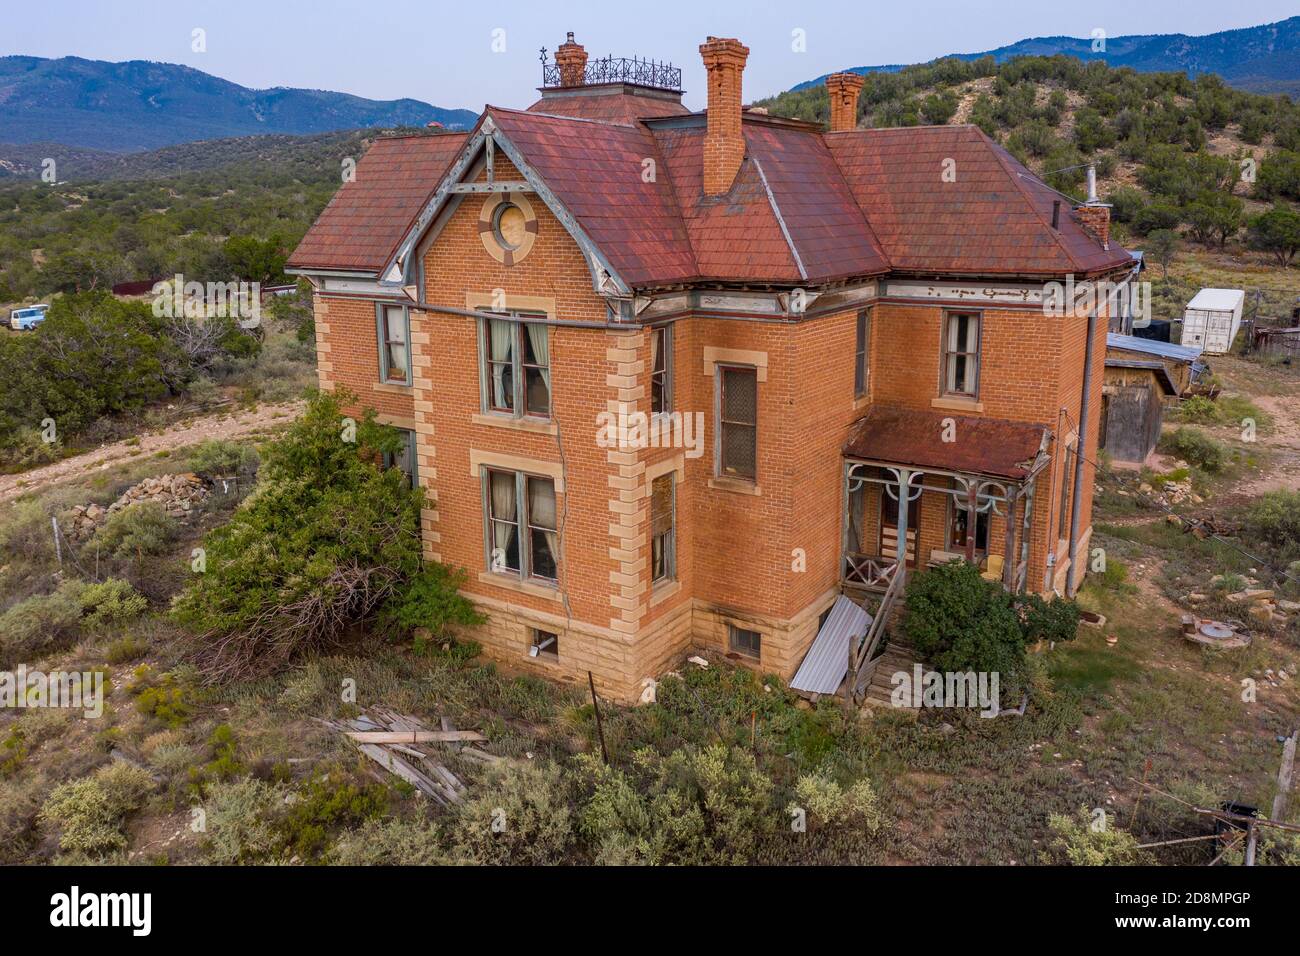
pixel 516 367
pixel 961 354
pixel 663 513
pixel 404 458
pixel 394 331
pixel 862 354
pixel 661 376
pixel 738 422
pixel 522 534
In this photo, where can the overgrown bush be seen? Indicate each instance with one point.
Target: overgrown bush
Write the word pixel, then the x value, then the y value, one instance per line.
pixel 164 697
pixel 89 812
pixel 392 842
pixel 243 821
pixel 218 458
pixel 1078 841
pixel 111 602
pixel 136 530
pixel 519 814
pixel 1193 445
pixel 325 540
pixel 1274 519
pixel 41 622
pixel 432 600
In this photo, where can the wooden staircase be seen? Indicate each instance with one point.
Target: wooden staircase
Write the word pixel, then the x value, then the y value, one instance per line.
pixel 897 657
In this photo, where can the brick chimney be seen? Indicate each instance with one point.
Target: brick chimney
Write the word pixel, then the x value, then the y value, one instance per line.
pixel 724 143
pixel 843 89
pixel 1095 220
pixel 571 58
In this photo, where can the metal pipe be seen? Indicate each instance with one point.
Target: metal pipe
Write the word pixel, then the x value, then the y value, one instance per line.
pixel 1080 447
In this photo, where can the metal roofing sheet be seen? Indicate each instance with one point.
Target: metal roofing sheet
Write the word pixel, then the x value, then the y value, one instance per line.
pixel 1131 343
pixel 823 669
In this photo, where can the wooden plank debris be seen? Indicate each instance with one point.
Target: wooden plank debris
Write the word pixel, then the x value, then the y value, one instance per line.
pixel 415 736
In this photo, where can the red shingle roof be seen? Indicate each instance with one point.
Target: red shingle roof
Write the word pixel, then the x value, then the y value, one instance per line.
pixel 615 103
pixel 362 225
pixel 857 203
pixel 993 218
pixel 984 446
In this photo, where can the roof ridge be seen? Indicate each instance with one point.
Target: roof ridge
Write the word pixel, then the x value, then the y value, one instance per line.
pixel 999 153
pixel 780 220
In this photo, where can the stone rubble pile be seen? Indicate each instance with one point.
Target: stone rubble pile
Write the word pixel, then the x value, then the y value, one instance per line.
pixel 178 494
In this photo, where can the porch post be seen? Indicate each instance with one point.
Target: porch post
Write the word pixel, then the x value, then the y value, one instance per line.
pixel 1026 531
pixel 972 517
pixel 904 489
pixel 1009 559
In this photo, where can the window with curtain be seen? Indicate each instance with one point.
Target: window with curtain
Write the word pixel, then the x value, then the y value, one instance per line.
pixel 404 459
pixel 738 422
pixel 522 530
pixel 661 354
pixel 394 345
pixel 663 557
pixel 961 354
pixel 862 353
pixel 516 368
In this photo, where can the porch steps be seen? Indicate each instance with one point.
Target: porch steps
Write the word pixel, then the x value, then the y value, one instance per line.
pixel 897 657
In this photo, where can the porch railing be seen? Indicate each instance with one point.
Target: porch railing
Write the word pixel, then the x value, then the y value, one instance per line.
pixel 869 570
pixel 862 663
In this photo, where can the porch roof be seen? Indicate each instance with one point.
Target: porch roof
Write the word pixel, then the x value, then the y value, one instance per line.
pixel 914 438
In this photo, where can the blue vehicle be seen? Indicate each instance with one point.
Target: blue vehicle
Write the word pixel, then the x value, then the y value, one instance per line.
pixel 21 320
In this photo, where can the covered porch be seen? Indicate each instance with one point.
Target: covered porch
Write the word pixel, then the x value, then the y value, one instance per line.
pixel 922 488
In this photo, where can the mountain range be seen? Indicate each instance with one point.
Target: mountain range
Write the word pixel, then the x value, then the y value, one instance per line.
pixel 139 105
pixel 1262 59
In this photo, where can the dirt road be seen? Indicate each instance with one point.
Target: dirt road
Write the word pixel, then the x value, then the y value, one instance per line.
pixel 225 425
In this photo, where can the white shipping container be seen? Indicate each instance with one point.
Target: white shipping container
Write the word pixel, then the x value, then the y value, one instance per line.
pixel 1212 320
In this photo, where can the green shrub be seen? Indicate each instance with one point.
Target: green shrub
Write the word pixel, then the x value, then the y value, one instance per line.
pixel 112 602
pixel 138 529
pixel 13 751
pixel 126 649
pixel 329 802
pixel 432 599
pixel 1077 842
pixel 42 622
pixel 215 458
pixel 242 820
pixel 89 812
pixel 161 696
pixel 959 622
pixel 516 815
pixel 827 804
pixel 325 540
pixel 1274 519
pixel 1197 410
pixel 392 842
pixel 1193 445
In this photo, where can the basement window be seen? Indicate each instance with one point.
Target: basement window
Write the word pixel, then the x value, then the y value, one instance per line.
pixel 745 642
pixel 545 645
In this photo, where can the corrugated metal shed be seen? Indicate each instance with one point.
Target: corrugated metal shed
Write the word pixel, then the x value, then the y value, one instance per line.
pixel 827 662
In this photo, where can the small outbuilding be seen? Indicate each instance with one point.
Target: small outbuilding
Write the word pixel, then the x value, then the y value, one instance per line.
pixel 1141 375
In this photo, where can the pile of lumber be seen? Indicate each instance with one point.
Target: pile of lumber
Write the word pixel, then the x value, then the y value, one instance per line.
pixel 402 746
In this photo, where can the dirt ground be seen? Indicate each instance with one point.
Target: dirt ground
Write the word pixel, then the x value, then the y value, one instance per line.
pixel 226 425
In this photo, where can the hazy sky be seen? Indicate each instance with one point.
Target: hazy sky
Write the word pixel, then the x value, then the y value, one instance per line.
pixel 441 52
